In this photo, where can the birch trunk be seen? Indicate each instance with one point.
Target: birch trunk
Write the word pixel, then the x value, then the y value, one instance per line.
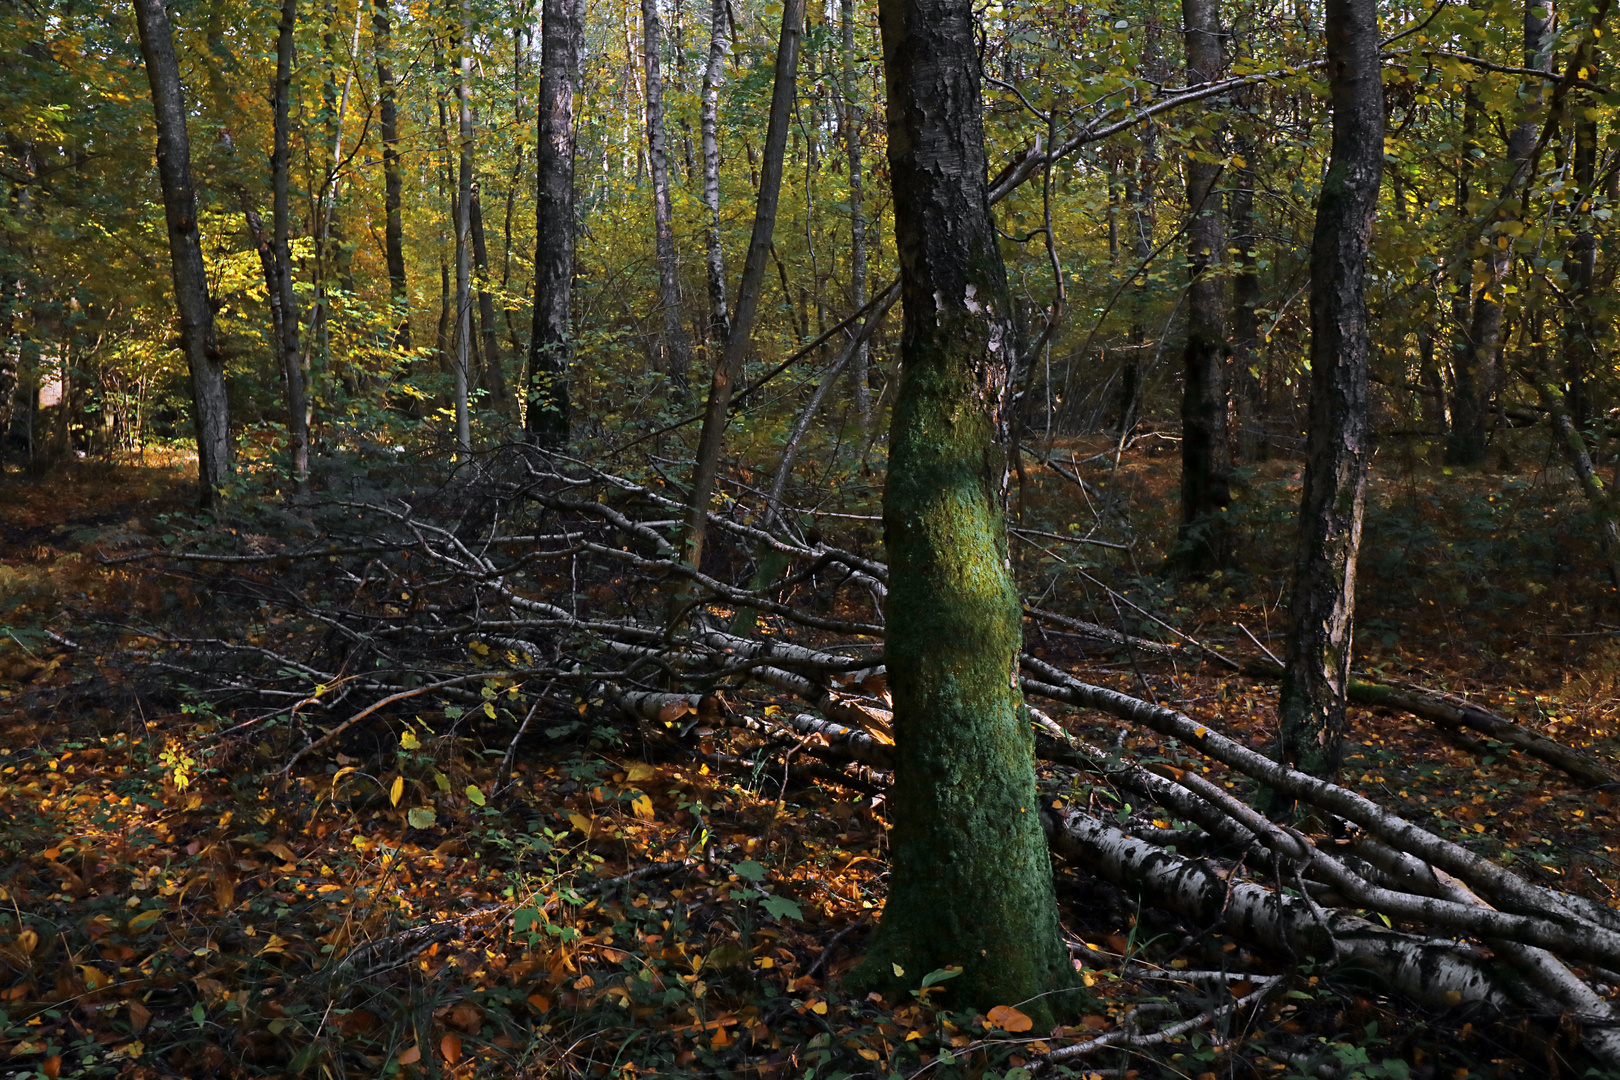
pixel 677 349
pixel 728 366
pixel 292 361
pixel 715 260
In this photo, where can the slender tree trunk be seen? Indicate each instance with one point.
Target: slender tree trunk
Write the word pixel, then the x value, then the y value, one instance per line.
pixel 393 186
pixel 1598 497
pixel 1480 359
pixel 1205 449
pixel 1465 441
pixel 551 340
pixel 210 407
pixel 1139 197
pixel 1245 302
pixel 713 75
pixel 494 378
pixel 292 362
pixel 1321 614
pixel 677 349
pixel 970 878
pixel 463 209
pixel 1580 353
pixel 854 120
pixel 442 335
pixel 729 365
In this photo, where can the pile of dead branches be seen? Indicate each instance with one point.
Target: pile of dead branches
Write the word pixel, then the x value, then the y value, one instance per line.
pixel 549 583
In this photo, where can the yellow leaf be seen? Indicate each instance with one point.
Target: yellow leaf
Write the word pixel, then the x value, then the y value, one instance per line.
pixel 819 1008
pixel 1008 1018
pixel 408 741
pixel 398 790
pixel 276 944
pixel 144 919
pixel 580 822
pixel 26 942
pixel 94 978
pixel 1453 997
pixel 869 1055
pixel 640 771
pixel 489 709
pixel 642 807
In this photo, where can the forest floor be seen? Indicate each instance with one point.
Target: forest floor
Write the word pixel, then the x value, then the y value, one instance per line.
pixel 632 909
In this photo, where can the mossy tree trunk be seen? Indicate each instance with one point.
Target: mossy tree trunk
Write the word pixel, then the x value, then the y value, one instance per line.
pixel 970 877
pixel 1339 444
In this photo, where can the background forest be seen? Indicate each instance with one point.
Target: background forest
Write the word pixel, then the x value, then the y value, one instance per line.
pixel 563 539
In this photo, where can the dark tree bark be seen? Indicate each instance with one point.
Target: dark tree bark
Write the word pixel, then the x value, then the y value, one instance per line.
pixel 463 222
pixel 728 366
pixel 1206 456
pixel 210 408
pixel 677 349
pixel 1479 361
pixel 1465 440
pixel 1321 612
pixel 393 186
pixel 1245 302
pixel 493 377
pixel 970 878
pixel 292 362
pixel 551 340
pixel 1580 353
pixel 853 120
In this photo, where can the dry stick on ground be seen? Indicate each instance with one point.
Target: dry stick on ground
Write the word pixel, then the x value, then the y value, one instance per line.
pixel 1434 970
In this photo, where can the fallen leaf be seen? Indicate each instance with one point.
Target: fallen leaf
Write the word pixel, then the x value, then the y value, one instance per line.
pixel 397 790
pixel 411 1056
pixel 1008 1018
pixel 144 920
pixel 642 807
pixel 139 1016
pixel 450 1048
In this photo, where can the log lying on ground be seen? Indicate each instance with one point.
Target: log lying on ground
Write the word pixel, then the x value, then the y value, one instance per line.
pixel 1447 710
pixel 1495 883
pixel 1435 971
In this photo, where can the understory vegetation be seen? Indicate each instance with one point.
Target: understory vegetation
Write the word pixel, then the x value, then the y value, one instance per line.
pixel 594 850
